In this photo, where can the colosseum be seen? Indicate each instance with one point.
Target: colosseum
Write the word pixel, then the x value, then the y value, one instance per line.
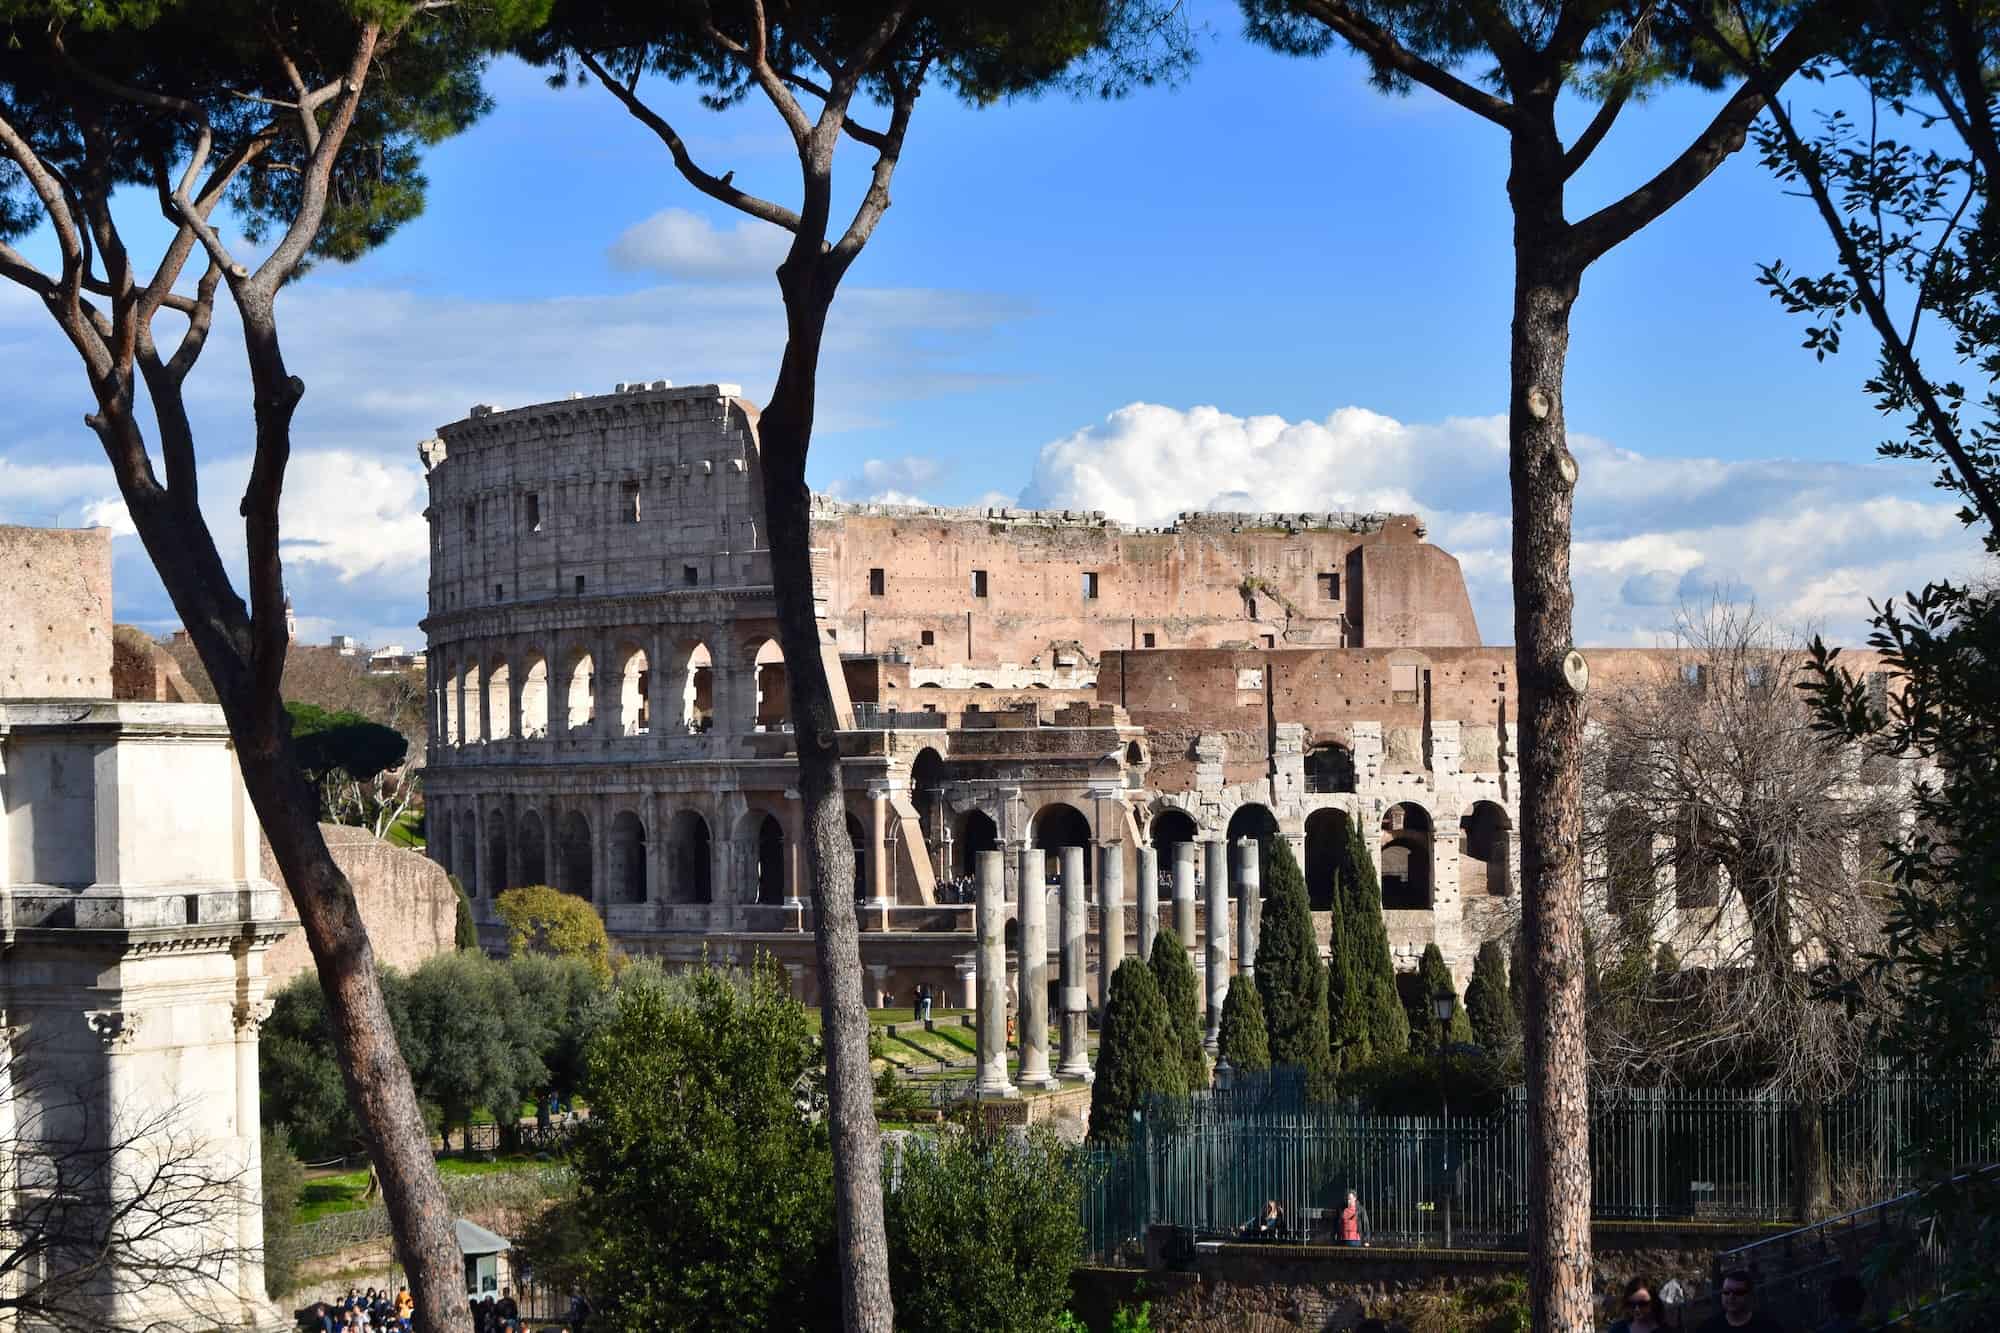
pixel 609 701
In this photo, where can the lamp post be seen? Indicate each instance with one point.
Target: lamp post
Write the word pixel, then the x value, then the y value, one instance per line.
pixel 1442 1004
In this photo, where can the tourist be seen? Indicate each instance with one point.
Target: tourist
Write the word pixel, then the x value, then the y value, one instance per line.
pixel 1737 1295
pixel 923 1002
pixel 507 1309
pixel 1267 1224
pixel 406 1304
pixel 1642 1313
pixel 1353 1221
pixel 1848 1298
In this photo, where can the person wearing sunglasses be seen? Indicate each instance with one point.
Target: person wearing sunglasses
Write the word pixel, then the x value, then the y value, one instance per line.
pixel 1737 1293
pixel 1642 1312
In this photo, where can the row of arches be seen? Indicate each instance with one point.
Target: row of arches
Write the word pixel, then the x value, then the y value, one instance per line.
pixel 529 698
pixel 526 852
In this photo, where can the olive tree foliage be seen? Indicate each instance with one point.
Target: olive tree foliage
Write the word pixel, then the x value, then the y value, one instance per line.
pixel 302 129
pixel 984 1230
pixel 1510 63
pixel 835 74
pixel 546 921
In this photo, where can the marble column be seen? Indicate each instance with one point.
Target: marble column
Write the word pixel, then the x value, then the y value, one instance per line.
pixel 1075 989
pixel 1218 936
pixel 1249 908
pixel 1149 901
pixel 990 1037
pixel 1032 1015
pixel 1110 916
pixel 1184 896
pixel 878 853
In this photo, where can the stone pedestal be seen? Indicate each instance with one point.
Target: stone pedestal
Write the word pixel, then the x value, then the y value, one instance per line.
pixel 990 920
pixel 1075 992
pixel 1032 1018
pixel 131 990
pixel 1149 900
pixel 1217 939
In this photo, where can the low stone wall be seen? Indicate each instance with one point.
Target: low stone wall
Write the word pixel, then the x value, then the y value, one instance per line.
pixel 406 903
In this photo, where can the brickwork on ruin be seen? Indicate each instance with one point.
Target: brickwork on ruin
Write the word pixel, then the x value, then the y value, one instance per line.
pixel 55 613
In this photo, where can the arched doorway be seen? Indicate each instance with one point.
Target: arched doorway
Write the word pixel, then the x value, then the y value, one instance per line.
pixel 534 867
pixel 697 690
pixel 1329 768
pixel 1057 826
pixel 535 697
pixel 859 841
pixel 627 867
pixel 635 678
pixel 1256 821
pixel 688 840
pixel 1487 837
pixel 976 834
pixel 1406 858
pixel 575 855
pixel 580 692
pixel 774 699
pixel 1328 856
pixel 927 775
pixel 499 700
pixel 496 855
pixel 471 730
pixel 468 858
pixel 770 862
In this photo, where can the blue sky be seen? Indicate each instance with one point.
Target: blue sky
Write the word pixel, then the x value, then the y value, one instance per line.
pixel 1269 287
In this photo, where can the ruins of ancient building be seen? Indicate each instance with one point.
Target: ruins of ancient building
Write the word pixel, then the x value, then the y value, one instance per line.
pixel 134 924
pixel 609 702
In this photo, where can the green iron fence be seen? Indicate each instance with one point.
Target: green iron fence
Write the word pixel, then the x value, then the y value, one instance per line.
pixel 1208 1164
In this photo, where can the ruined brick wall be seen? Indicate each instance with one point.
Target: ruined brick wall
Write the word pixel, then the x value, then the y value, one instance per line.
pixel 406 903
pixel 55 613
pixel 142 669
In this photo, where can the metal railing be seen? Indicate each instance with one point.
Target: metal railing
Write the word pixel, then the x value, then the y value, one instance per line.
pixel 874 717
pixel 1207 1164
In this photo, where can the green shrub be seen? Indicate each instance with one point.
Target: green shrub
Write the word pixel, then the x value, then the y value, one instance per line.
pixel 1136 1055
pixel 1291 982
pixel 1379 1012
pixel 1487 1005
pixel 283 1179
pixel 1179 991
pixel 1408 1084
pixel 1242 1040
pixel 1433 978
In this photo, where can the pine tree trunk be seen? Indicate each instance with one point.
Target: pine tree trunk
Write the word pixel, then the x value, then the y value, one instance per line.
pixel 784 434
pixel 1542 477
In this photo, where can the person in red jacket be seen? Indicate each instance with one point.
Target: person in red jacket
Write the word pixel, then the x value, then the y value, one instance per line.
pixel 1353 1221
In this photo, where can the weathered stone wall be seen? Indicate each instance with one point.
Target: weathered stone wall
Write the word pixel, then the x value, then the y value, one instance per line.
pixel 406 902
pixel 142 669
pixel 55 613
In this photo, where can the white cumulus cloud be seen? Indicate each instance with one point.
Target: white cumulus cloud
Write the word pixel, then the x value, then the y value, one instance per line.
pixel 682 244
pixel 1812 542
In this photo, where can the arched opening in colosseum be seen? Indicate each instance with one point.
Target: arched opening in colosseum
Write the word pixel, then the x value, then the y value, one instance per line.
pixel 574 854
pixel 499 700
pixel 1170 827
pixel 1329 856
pixel 472 727
pixel 1330 768
pixel 580 691
pixel 1256 821
pixel 976 833
pixel 1628 864
pixel 535 697
pixel 1406 858
pixel 634 676
pixel 468 858
pixel 770 861
pixel 1486 843
pixel 454 707
pixel 696 693
pixel 927 796
pixel 774 699
pixel 626 868
pixel 1059 825
pixel 496 855
pixel 859 841
pixel 534 866
pixel 688 844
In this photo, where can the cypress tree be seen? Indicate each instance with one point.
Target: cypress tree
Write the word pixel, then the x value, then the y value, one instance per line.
pixel 1291 982
pixel 1242 1040
pixel 1174 975
pixel 1487 1003
pixel 1382 1016
pixel 1346 1026
pixel 1136 1055
pixel 1433 979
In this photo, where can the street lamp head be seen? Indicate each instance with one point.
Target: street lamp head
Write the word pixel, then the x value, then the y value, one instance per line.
pixel 1442 1004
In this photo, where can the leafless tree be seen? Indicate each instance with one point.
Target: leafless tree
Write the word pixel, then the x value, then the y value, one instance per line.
pixel 1725 827
pixel 105 1210
pixel 183 109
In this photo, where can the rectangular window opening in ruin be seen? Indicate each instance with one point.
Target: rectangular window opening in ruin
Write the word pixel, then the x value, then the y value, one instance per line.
pixel 1270 641
pixel 690 575
pixel 930 638
pixel 1149 641
pixel 978 583
pixel 499 590
pixel 877 582
pixel 631 501
pixel 1329 587
pixel 1089 584
pixel 533 513
pixel 472 522
pixel 579 585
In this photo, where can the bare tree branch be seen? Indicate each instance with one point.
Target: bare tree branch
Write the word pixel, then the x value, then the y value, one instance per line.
pixel 1377 42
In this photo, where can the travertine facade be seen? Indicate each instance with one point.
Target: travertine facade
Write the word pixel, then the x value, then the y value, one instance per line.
pixel 55 613
pixel 609 704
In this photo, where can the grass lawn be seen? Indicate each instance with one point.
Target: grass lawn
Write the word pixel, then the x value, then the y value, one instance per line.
pixel 344 1193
